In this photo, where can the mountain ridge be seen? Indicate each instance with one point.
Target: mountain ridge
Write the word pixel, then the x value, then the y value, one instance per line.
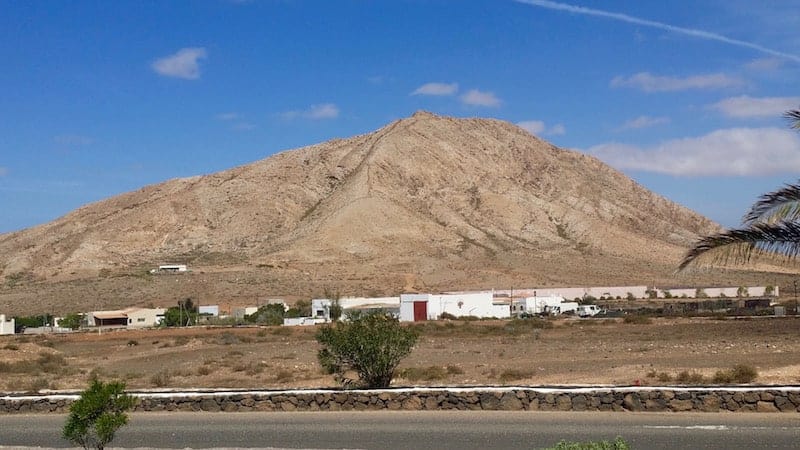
pixel 423 201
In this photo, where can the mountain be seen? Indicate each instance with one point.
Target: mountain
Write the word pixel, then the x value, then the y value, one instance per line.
pixel 424 203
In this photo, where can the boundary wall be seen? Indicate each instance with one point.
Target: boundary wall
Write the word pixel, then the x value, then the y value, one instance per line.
pixel 633 398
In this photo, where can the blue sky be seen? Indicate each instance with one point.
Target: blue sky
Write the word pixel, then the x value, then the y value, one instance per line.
pixel 100 98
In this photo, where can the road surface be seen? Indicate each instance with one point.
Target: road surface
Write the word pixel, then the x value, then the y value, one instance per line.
pixel 440 430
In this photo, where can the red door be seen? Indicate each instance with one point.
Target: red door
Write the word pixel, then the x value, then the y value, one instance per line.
pixel 420 311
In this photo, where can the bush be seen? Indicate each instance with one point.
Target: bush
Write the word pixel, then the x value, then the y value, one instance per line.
pixel 637 319
pixel 271 315
pixel 372 345
pixel 97 414
pixel 740 374
pixel 616 444
pixel 161 379
pixel 514 374
pixel 687 377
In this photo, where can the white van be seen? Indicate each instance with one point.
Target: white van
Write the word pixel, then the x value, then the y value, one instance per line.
pixel 588 310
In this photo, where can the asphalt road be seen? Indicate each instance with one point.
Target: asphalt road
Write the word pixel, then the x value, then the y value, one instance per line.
pixel 460 430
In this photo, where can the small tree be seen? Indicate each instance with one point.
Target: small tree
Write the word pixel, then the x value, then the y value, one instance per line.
pixel 742 292
pixel 700 293
pixel 301 308
pixel 72 321
pixel 336 310
pixel 268 315
pixel 97 414
pixel 371 344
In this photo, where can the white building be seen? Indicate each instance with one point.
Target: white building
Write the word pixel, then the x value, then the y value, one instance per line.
pixel 209 310
pixel 6 325
pixel 170 268
pixel 128 318
pixel 538 305
pixel 418 307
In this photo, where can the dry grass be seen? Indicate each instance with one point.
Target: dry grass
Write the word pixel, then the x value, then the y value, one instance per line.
pixel 484 352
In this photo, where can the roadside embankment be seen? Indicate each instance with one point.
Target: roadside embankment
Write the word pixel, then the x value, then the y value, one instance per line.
pixel 632 398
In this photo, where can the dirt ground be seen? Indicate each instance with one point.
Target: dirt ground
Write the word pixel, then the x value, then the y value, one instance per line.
pixel 565 351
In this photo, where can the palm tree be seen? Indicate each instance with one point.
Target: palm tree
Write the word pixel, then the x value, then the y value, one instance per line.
pixel 771 227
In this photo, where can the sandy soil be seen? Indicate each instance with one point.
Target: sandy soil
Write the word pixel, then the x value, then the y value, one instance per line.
pixel 571 351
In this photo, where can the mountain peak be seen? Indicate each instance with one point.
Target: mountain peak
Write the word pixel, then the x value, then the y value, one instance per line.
pixel 440 204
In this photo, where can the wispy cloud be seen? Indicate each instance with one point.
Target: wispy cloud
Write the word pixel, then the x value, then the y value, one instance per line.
pixel 770 64
pixel 73 139
pixel 727 152
pixel 314 112
pixel 538 128
pixel 243 126
pixel 227 116
pixel 439 89
pixel 648 82
pixel 474 97
pixel 700 34
pixel 183 64
pixel 745 106
pixel 642 122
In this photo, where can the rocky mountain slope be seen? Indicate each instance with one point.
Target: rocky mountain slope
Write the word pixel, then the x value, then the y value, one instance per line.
pixel 427 202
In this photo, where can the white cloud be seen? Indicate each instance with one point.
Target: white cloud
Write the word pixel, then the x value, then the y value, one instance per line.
pixel 727 152
pixel 765 64
pixel 745 106
pixel 537 128
pixel 436 89
pixel 243 126
pixel 323 111
pixel 183 64
pixel 701 34
pixel 557 129
pixel 227 116
pixel 643 122
pixel 315 112
pixel 653 83
pixel 73 139
pixel 475 97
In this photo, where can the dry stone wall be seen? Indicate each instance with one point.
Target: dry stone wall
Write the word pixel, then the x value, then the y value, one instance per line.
pixel 667 399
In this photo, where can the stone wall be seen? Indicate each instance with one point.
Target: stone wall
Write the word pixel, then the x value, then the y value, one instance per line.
pixel 781 399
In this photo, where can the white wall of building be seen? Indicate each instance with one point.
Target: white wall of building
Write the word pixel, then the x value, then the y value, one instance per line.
pixel 145 317
pixel 536 305
pixel 479 304
pixel 6 324
pixel 212 310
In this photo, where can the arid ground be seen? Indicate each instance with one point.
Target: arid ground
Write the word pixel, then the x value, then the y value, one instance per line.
pixel 529 352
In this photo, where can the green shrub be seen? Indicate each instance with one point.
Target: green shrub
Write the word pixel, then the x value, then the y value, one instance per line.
pixel 616 444
pixel 372 345
pixel 97 415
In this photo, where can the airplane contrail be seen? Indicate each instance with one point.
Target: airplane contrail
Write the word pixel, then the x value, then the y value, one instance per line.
pixel 653 24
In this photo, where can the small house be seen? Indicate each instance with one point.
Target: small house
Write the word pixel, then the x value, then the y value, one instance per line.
pixel 6 325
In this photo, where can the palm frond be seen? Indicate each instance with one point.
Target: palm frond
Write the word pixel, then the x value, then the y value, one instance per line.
pixel 794 117
pixel 737 246
pixel 783 204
